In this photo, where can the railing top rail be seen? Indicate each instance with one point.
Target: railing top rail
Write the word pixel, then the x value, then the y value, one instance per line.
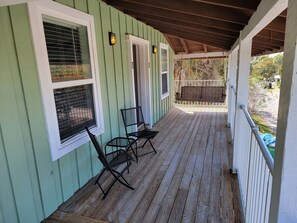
pixel 267 156
pixel 202 80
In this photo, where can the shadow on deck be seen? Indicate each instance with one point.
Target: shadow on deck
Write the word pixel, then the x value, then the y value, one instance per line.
pixel 188 180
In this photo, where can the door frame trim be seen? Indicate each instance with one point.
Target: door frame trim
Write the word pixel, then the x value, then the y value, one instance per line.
pixel 145 69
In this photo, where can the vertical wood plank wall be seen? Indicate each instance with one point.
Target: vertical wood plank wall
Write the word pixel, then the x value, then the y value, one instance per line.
pixel 31 185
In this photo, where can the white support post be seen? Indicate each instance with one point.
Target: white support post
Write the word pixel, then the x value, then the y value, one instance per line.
pixel 240 148
pixel 241 134
pixel 232 72
pixel 283 206
pixel 228 89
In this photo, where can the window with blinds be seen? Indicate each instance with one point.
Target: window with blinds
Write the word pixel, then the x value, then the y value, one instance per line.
pixel 69 60
pixel 164 70
pixel 64 40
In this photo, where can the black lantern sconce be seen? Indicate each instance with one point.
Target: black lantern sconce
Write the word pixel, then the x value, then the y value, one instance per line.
pixel 112 38
pixel 154 49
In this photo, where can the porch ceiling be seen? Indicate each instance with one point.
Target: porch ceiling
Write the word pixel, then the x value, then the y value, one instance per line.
pixel 201 26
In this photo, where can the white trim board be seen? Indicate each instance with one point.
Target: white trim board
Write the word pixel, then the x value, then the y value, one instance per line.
pixel 15 2
pixel 200 55
pixel 146 70
pixel 164 46
pixel 37 11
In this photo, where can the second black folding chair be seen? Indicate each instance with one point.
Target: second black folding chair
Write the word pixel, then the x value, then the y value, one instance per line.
pixel 135 126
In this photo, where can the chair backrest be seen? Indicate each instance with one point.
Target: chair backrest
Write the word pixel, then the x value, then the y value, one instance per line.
pixel 133 117
pixel 101 155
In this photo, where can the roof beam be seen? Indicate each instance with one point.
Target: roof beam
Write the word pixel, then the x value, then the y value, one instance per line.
pixel 235 4
pixel 200 55
pixel 170 43
pixel 184 44
pixel 266 33
pixel 267 12
pixel 195 19
pixel 198 31
pixel 271 42
pixel 159 25
pixel 148 17
pixel 194 36
pixel 261 47
pixel 194 8
pixel 278 24
pixel 205 48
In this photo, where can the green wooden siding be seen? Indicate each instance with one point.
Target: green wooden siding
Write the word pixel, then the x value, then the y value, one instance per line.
pixel 32 186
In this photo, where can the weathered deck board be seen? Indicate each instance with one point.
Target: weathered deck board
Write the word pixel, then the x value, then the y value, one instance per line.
pixel 63 217
pixel 186 181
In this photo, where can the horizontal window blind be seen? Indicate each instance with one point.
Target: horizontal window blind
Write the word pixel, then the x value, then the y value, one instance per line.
pixel 75 109
pixel 164 83
pixel 68 52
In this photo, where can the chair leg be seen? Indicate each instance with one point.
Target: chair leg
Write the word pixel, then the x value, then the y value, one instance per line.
pixel 118 179
pixel 144 143
pixel 121 175
pixel 152 145
pixel 97 180
pixel 104 194
pixel 131 146
pixel 127 185
pixel 149 140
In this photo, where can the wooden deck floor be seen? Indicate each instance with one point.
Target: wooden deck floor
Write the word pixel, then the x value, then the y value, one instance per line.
pixel 188 179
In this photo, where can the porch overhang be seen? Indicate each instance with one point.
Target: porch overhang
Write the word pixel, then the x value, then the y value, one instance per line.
pixel 208 26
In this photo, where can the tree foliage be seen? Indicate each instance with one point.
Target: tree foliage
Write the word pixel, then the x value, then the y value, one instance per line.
pixel 200 69
pixel 265 67
pixel 263 71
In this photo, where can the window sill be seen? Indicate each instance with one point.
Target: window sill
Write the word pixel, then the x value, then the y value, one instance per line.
pixel 164 96
pixel 73 143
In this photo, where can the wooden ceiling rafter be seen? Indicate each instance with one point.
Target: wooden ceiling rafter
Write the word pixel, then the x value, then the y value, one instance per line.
pixel 261 47
pixel 205 48
pixel 131 8
pixel 188 29
pixel 204 25
pixel 278 24
pixel 193 36
pixel 271 42
pixel 235 4
pixel 184 44
pixel 146 17
pixel 170 43
pixel 186 36
pixel 188 7
pixel 266 33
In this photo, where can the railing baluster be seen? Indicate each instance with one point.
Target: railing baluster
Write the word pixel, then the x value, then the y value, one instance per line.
pixel 258 170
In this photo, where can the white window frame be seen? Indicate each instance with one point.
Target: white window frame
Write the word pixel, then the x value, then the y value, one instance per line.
pixel 164 46
pixel 37 11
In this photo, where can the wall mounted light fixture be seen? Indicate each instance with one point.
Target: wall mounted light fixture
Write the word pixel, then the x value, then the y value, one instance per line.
pixel 154 49
pixel 112 38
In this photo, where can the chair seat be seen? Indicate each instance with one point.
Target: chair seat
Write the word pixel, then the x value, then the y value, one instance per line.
pixel 118 157
pixel 144 134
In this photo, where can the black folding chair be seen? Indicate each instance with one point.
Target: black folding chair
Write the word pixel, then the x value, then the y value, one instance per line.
pixel 136 128
pixel 110 161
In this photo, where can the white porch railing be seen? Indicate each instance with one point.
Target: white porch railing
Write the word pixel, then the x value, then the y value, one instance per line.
pixel 255 174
